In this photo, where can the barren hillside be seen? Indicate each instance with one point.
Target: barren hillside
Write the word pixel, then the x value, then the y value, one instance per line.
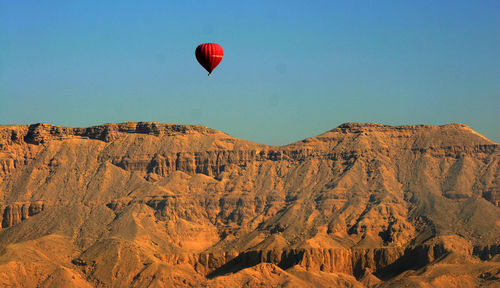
pixel 157 205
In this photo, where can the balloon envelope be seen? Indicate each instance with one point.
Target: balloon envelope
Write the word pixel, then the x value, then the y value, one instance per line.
pixel 209 55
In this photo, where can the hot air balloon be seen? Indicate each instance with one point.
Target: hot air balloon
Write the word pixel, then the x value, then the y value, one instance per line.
pixel 209 55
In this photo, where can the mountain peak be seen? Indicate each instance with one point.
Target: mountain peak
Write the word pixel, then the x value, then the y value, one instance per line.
pixel 376 137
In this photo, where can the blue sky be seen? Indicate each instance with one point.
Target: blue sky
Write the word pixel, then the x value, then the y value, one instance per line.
pixel 291 69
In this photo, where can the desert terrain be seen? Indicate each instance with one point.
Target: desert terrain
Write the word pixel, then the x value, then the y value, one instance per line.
pixel 159 205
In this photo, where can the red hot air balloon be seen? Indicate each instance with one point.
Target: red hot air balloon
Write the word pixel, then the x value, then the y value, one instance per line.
pixel 209 55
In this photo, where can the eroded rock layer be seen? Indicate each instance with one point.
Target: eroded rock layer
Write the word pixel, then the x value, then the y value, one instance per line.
pixel 145 204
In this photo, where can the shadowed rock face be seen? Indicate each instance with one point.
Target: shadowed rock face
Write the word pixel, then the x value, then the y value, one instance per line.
pixel 140 204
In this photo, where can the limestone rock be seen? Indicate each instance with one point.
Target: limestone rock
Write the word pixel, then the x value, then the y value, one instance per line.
pixel 138 204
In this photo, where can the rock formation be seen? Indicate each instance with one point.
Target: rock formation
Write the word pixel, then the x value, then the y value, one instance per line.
pixel 157 205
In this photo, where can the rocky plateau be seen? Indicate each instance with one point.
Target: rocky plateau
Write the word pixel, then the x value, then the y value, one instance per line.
pixel 158 205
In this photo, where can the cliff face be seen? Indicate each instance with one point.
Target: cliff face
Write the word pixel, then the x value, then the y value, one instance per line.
pixel 136 201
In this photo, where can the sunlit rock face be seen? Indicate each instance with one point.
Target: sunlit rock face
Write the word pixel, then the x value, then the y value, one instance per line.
pixel 149 204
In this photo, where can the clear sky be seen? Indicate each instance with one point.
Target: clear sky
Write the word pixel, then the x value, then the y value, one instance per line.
pixel 291 69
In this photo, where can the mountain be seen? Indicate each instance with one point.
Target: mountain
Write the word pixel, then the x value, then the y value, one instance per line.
pixel 158 205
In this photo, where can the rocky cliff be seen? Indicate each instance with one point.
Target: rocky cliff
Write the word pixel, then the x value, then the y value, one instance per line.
pixel 145 204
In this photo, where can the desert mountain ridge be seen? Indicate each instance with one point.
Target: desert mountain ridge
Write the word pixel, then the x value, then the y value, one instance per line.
pixel 161 129
pixel 159 205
